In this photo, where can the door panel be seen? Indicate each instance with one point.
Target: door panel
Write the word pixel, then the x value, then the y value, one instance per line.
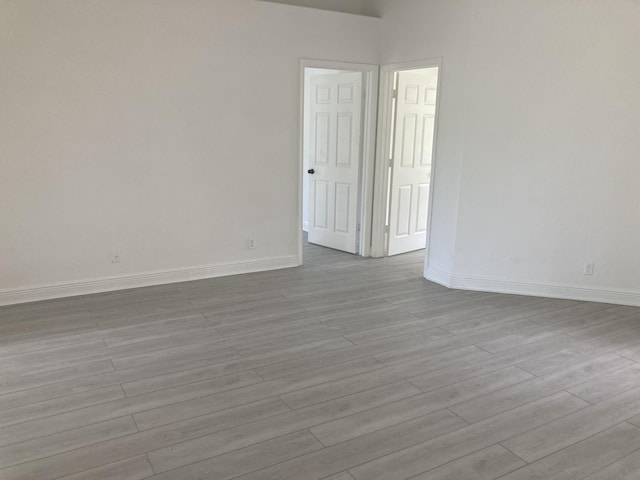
pixel 345 137
pixel 412 156
pixel 322 138
pixel 321 214
pixel 421 211
pixel 403 224
pixel 335 151
pixel 343 194
pixel 408 140
pixel 428 129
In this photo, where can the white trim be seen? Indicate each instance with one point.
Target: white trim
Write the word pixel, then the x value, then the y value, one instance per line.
pixel 384 137
pixel 368 146
pixel 618 297
pixel 47 292
pixel 498 285
pixel 438 276
pixel 379 248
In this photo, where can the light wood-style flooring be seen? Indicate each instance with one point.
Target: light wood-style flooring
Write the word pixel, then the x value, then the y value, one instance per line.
pixel 344 369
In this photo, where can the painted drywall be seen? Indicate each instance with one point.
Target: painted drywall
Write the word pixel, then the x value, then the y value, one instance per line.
pixel 417 30
pixel 537 169
pixel 165 129
pixel 144 127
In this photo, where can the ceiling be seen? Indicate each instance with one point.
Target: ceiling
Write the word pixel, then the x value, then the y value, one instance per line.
pixel 368 8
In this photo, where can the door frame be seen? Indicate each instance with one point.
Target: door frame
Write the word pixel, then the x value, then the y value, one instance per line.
pixel 379 244
pixel 367 169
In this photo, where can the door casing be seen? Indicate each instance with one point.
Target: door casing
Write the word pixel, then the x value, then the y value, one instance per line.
pixel 370 87
pixel 383 143
pixel 412 155
pixel 376 143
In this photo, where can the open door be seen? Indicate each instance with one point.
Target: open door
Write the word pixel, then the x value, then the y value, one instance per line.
pixel 335 145
pixel 415 109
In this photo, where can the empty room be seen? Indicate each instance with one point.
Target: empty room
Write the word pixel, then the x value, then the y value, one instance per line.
pixel 319 240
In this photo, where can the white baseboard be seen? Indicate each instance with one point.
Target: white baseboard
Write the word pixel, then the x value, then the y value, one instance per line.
pixel 484 284
pixel 438 276
pixel 47 292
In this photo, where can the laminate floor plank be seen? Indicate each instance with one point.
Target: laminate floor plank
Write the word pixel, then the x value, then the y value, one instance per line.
pixel 43 447
pixel 487 464
pixel 55 406
pixel 30 429
pixel 339 476
pixel 619 341
pixel 558 360
pixel 418 349
pixel 504 315
pixel 571 312
pixel 202 405
pixel 314 361
pixel 426 455
pixel 62 323
pixel 136 468
pixel 358 424
pixel 627 468
pixel 319 393
pixel 249 459
pixel 128 376
pixel 28 343
pixel 491 363
pixel 173 354
pixel 110 320
pixel 585 457
pixel 53 375
pixel 61 355
pixel 548 439
pixel 345 368
pixel 606 386
pixel 510 397
pixel 594 332
pixel 154 331
pixel 339 457
pixel 208 446
pixel 111 451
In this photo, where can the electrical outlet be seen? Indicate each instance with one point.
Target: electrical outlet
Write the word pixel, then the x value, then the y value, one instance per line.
pixel 588 268
pixel 251 244
pixel 115 256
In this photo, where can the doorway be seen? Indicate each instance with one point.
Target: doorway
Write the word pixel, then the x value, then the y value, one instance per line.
pixel 337 150
pixel 406 156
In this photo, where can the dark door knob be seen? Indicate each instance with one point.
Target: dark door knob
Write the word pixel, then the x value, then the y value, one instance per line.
pixel 311 171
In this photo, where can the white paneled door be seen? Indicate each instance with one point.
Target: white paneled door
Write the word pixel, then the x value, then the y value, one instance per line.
pixel 412 154
pixel 335 144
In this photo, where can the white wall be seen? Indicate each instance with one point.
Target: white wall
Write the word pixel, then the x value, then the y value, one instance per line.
pixel 416 30
pixel 144 126
pixel 166 129
pixel 538 145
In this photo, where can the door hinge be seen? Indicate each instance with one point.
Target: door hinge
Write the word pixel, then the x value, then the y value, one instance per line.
pixel 358 227
pixel 395 93
pixel 391 162
pixel 387 229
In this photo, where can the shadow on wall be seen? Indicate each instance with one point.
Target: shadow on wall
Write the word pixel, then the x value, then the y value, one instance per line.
pixel 369 8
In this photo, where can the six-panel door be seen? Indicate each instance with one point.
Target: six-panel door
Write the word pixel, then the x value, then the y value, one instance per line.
pixel 412 155
pixel 335 143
